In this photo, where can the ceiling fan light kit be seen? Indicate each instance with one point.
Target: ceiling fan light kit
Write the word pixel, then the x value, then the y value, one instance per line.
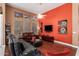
pixel 40 16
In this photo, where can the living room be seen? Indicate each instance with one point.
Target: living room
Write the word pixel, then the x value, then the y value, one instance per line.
pixel 50 29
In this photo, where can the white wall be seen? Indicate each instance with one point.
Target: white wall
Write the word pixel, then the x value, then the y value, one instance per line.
pixel 1 30
pixel 75 24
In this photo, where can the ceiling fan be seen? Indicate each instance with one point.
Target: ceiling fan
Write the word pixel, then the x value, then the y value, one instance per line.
pixel 40 16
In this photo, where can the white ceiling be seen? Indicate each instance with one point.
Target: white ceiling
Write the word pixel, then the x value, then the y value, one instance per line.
pixel 37 8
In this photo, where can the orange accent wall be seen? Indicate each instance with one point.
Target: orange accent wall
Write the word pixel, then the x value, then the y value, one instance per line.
pixel 53 16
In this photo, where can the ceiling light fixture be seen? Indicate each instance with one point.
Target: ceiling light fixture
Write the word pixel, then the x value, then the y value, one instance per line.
pixel 40 16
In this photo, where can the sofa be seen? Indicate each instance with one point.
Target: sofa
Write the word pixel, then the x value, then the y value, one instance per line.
pixel 35 40
pixel 21 48
pixel 27 36
pixel 48 38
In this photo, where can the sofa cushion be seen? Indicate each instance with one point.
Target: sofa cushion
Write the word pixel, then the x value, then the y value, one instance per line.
pixel 19 48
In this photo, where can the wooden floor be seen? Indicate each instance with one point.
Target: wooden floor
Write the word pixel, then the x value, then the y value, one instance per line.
pixel 52 47
pixel 7 51
pixel 49 47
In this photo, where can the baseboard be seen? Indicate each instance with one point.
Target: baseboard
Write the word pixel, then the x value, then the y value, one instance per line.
pixel 66 44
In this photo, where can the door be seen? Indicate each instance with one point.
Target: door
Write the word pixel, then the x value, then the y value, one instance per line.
pixel 26 25
pixel 18 26
pixel 34 28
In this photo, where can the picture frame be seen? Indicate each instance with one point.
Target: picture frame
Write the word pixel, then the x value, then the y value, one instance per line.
pixel 63 23
pixel 62 29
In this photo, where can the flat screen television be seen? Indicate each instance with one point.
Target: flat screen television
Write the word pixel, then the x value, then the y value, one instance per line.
pixel 48 28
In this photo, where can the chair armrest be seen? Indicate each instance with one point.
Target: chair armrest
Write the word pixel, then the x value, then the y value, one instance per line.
pixel 28 52
pixel 34 52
